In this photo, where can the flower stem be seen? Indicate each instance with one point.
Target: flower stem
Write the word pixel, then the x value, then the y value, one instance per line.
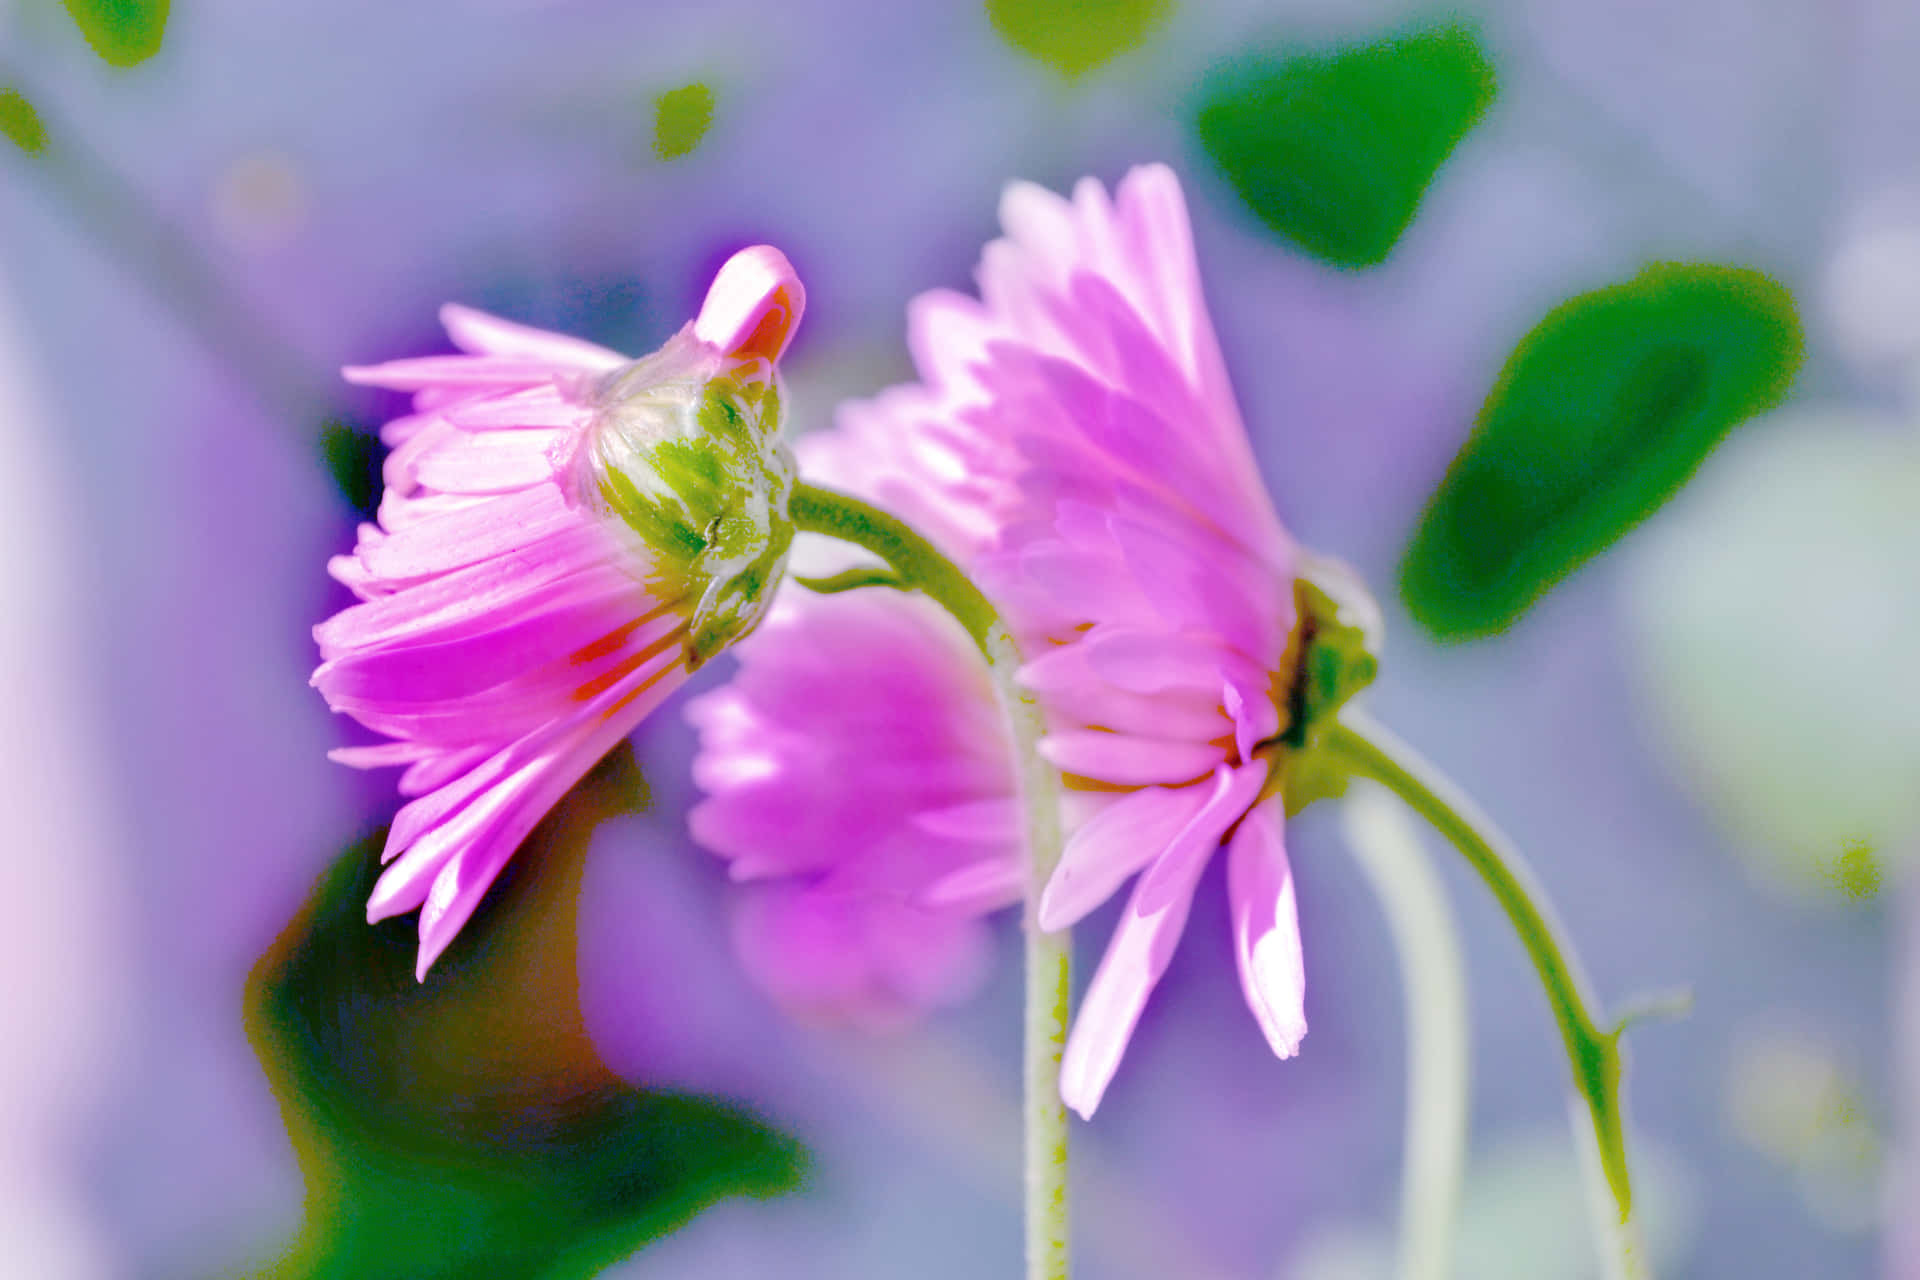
pixel 917 565
pixel 1593 1053
pixel 1434 991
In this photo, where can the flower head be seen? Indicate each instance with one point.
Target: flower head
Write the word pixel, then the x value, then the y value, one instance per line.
pixel 859 782
pixel 565 533
pixel 1074 440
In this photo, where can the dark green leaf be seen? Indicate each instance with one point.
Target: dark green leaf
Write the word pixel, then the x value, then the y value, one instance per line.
pixel 353 459
pixel 1334 150
pixel 1075 36
pixel 21 123
pixel 681 118
pixel 1603 411
pixel 122 32
pixel 465 1126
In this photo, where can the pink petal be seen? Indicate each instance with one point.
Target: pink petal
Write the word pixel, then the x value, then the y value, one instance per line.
pixel 977 888
pixel 483 334
pixel 423 372
pixel 977 821
pixel 1137 955
pixel 467 534
pixel 526 799
pixel 1148 661
pixel 492 461
pixel 753 305
pixel 1128 760
pixel 1228 797
pixel 475 596
pixel 381 755
pixel 1112 845
pixel 523 410
pixel 1266 928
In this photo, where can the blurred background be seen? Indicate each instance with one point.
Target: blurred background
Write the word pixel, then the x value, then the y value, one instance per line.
pixel 1416 227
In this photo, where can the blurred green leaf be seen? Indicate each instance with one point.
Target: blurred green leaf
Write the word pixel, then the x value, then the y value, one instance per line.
pixel 122 32
pixel 353 458
pixel 1600 415
pixel 1334 150
pixel 1076 36
pixel 465 1126
pixel 681 118
pixel 21 123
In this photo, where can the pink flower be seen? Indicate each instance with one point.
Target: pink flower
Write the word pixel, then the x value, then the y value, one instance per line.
pixel 564 533
pixel 1075 443
pixel 858 778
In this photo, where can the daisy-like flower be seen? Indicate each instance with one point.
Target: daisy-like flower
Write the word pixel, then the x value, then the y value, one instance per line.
pixel 565 534
pixel 858 781
pixel 1074 443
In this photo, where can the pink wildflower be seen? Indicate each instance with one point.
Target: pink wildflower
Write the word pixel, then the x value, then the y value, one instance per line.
pixel 1074 441
pixel 564 533
pixel 856 762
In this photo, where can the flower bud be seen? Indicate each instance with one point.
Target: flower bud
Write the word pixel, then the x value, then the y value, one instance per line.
pixel 684 450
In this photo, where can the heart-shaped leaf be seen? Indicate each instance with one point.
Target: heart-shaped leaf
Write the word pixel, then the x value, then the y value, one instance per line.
pixel 1076 36
pixel 122 32
pixel 1602 412
pixel 1334 150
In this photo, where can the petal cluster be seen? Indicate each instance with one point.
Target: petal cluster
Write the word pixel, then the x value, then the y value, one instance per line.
pixel 858 780
pixel 1146 576
pixel 1074 442
pixel 512 625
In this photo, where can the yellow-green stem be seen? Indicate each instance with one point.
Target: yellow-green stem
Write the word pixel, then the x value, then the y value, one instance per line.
pixel 917 565
pixel 1593 1052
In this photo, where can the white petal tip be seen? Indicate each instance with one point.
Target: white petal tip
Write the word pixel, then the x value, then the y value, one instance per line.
pixel 753 306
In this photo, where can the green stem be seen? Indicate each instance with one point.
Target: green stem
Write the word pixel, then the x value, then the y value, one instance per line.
pixel 917 565
pixel 1434 991
pixel 1592 1052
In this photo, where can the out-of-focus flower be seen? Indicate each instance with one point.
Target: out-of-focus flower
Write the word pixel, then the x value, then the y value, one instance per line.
pixel 565 533
pixel 858 761
pixel 1075 444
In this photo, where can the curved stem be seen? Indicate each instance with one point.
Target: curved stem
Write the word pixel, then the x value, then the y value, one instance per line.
pixel 1593 1053
pixel 1434 991
pixel 917 565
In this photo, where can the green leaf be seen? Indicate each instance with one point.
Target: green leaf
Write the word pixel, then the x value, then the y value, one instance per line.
pixel 681 118
pixel 1076 36
pixel 465 1126
pixel 122 32
pixel 1601 414
pixel 21 123
pixel 1334 150
pixel 353 459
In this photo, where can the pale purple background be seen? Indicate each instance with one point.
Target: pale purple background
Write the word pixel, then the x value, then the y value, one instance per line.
pixel 499 153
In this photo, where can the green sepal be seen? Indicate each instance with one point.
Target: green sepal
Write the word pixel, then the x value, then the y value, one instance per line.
pixel 1334 655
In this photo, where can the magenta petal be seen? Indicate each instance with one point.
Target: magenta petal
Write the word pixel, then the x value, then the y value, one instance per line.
pixel 425 372
pixel 753 305
pixel 1128 760
pixel 492 829
pixel 994 821
pixel 1112 845
pixel 524 410
pixel 1266 928
pixel 976 888
pixel 1148 661
pixel 1229 796
pixel 1142 944
pixel 483 334
pixel 492 461
pixel 468 534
